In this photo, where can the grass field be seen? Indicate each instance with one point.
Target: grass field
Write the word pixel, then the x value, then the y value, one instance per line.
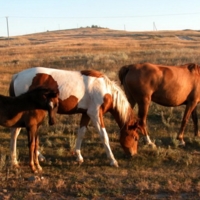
pixel 166 172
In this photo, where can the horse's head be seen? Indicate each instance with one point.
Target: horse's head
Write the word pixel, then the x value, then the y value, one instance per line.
pixel 129 139
pixel 48 99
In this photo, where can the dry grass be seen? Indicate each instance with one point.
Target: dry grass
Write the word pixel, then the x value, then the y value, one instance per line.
pixel 167 172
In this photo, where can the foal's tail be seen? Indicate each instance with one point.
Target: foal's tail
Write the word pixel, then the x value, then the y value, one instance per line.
pixel 122 73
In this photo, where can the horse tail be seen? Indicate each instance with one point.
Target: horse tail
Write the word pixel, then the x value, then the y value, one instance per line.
pixel 11 86
pixel 122 73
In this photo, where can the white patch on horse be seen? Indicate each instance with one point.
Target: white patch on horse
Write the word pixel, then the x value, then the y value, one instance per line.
pixel 89 91
pixel 51 104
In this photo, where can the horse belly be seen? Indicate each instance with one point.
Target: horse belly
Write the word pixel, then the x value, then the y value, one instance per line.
pixel 170 97
pixel 74 103
pixel 174 91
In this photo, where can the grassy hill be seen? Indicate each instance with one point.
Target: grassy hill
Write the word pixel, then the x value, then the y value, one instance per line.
pixel 167 172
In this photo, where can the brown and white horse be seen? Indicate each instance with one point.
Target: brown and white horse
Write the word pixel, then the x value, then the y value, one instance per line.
pixel 165 85
pixel 14 110
pixel 88 92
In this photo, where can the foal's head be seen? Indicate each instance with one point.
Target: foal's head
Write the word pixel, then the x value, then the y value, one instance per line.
pixel 47 99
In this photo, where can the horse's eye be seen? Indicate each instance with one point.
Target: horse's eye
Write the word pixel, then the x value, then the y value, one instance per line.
pixel 55 105
pixel 135 138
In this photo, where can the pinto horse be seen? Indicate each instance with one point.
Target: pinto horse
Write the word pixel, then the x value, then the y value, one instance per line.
pixel 88 92
pixel 166 85
pixel 13 112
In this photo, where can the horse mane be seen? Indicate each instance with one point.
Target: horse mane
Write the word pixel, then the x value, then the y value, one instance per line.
pixel 120 102
pixel 93 73
pixel 193 67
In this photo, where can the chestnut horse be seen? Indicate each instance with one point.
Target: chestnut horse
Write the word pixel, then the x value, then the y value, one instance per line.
pixel 165 85
pixel 13 112
pixel 88 92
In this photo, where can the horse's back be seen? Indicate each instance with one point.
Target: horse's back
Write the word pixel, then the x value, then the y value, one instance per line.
pixel 76 88
pixel 143 77
pixel 166 85
pixel 156 76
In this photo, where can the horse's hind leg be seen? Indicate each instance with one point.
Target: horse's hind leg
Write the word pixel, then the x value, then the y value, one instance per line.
pixel 37 163
pixel 40 156
pixel 195 122
pixel 188 110
pixel 13 146
pixel 81 132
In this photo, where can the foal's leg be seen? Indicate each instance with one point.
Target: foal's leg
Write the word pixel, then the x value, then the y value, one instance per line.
pixel 13 146
pixel 97 119
pixel 40 156
pixel 32 146
pixel 81 132
pixel 188 110
pixel 37 163
pixel 195 122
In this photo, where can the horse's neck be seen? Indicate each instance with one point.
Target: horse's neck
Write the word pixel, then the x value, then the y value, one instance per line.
pixel 27 102
pixel 20 103
pixel 118 118
pixel 11 110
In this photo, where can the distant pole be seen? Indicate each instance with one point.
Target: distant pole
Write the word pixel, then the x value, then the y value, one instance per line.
pixel 124 27
pixel 154 26
pixel 7 29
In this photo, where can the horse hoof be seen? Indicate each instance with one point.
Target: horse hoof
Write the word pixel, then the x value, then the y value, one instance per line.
pixel 80 161
pixel 41 158
pixel 39 168
pixel 181 143
pixel 152 145
pixel 16 166
pixel 35 171
pixel 115 164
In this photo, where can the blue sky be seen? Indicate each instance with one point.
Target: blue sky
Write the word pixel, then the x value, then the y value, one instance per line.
pixel 33 16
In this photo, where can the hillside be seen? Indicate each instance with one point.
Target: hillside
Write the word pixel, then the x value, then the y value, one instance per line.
pixel 98 47
pixel 165 172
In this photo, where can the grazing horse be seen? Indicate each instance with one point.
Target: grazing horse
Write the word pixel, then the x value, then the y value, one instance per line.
pixel 13 112
pixel 166 85
pixel 90 93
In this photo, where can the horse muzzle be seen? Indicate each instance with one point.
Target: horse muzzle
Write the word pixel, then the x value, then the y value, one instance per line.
pixel 51 122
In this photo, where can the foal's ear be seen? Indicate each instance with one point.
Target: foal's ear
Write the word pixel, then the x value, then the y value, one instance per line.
pixel 52 93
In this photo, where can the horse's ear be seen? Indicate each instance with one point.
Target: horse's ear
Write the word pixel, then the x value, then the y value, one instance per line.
pixel 134 126
pixel 192 66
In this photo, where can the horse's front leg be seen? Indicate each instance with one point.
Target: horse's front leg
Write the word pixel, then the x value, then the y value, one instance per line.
pixel 13 146
pixel 105 140
pixel 143 107
pixel 80 135
pixel 188 110
pixel 99 124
